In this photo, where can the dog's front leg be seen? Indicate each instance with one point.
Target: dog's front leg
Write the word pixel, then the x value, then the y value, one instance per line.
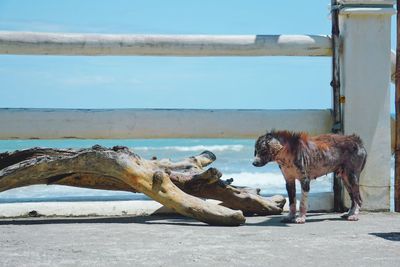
pixel 291 190
pixel 305 188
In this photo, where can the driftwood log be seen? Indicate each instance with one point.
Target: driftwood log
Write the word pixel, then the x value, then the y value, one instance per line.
pixel 177 185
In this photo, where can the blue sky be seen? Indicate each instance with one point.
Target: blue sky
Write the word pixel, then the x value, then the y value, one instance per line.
pixel 165 82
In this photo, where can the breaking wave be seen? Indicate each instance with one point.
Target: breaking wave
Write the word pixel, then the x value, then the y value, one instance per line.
pixel 268 182
pixel 273 182
pixel 214 148
pixel 252 179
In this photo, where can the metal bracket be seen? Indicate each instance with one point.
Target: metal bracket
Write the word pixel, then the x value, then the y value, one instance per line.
pixel 337 127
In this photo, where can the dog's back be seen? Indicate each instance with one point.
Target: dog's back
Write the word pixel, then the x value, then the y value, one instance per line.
pixel 335 151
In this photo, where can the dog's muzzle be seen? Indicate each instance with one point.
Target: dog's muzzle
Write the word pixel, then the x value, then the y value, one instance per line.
pixel 257 163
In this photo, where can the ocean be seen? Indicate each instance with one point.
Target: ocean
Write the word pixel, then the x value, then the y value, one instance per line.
pixel 234 158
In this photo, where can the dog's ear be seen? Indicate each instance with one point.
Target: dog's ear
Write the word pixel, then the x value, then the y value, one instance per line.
pixel 268 136
pixel 275 145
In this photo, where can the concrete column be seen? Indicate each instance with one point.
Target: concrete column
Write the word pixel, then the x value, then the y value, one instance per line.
pixel 365 77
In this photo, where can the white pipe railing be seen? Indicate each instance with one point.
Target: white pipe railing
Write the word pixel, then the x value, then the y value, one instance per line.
pixel 38 43
pixel 35 43
pixel 157 123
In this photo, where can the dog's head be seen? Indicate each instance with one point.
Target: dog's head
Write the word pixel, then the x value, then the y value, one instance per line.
pixel 266 148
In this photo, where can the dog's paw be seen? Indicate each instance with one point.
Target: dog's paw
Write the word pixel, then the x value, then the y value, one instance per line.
pixel 288 219
pixel 352 218
pixel 300 219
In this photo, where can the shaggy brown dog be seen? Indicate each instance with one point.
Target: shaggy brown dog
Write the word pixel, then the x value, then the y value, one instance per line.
pixel 303 157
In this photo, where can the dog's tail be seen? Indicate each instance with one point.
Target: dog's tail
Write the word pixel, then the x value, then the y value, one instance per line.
pixel 365 160
pixel 360 147
pixel 357 139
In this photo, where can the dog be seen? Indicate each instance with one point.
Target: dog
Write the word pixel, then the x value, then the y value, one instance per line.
pixel 305 157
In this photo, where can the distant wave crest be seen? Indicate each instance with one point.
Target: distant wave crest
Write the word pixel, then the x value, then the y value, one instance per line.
pixel 268 182
pixel 274 182
pixel 214 148
pixel 255 179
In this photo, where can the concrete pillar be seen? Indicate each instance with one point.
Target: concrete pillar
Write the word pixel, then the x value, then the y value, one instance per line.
pixel 365 77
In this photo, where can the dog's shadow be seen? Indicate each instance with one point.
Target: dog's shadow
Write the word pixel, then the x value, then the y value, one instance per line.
pixel 275 221
pixel 316 217
pixel 311 218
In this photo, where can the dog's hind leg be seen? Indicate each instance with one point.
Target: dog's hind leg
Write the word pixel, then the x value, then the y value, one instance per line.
pixel 305 188
pixel 350 181
pixel 355 190
pixel 291 190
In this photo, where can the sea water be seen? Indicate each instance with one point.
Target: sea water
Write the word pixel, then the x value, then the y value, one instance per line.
pixel 234 158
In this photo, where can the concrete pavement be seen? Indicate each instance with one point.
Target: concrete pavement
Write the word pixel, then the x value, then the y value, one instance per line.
pixel 161 240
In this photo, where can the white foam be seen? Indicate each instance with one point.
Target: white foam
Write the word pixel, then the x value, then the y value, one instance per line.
pixel 46 191
pixel 272 182
pixel 214 148
pixel 252 179
pixel 268 182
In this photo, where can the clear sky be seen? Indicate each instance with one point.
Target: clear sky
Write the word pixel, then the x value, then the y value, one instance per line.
pixel 166 82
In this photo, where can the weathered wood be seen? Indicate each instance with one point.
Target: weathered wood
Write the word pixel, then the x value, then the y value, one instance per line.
pixel 156 123
pixel 397 108
pixel 209 185
pixel 35 43
pixel 120 169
